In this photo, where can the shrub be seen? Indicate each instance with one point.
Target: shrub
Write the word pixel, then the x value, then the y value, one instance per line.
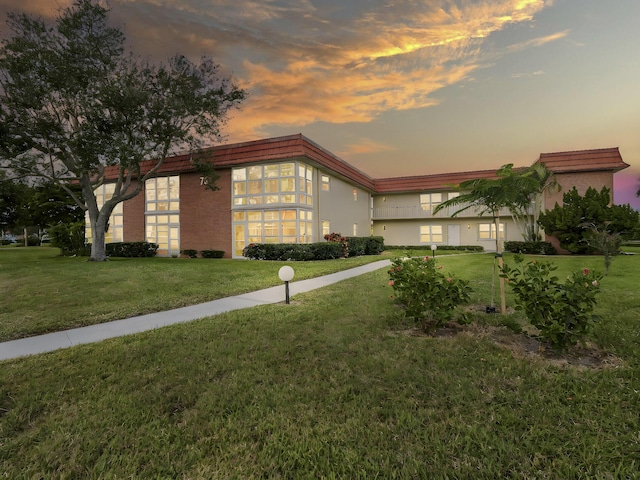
pixel 375 246
pixel 357 246
pixel 131 249
pixel 293 251
pixel 326 250
pixel 364 245
pixel 429 297
pixel 530 248
pixel 212 253
pixel 337 238
pixel 463 248
pixel 189 252
pixel 69 238
pixel 561 312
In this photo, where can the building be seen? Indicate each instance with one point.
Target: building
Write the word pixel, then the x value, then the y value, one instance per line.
pixel 291 190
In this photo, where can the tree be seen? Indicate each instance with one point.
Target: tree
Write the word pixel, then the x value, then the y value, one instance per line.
pixel 573 223
pixel 49 204
pixel 487 195
pixel 13 200
pixel 73 102
pixel 529 186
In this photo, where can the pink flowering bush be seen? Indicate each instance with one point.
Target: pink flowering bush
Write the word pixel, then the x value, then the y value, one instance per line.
pixel 337 238
pixel 428 296
pixel 562 312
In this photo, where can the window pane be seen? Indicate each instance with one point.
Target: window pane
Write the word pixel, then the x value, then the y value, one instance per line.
pixel 287 169
pixel 239 188
pixel 239 173
pixel 270 171
pixel 271 186
pixel 254 173
pixel 255 187
pixel 287 185
pixel 237 216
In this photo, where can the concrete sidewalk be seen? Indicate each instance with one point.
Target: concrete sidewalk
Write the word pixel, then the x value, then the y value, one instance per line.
pixel 102 331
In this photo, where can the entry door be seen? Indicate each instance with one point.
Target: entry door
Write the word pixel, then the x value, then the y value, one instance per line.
pixel 453 235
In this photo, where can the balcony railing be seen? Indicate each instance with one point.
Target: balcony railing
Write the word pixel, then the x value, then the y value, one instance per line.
pixel 413 211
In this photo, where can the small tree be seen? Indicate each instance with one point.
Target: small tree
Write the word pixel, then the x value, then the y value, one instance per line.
pixel 488 195
pixel 72 103
pixel 529 186
pixel 606 243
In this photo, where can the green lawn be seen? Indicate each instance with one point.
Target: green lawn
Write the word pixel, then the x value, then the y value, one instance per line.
pixel 331 386
pixel 43 292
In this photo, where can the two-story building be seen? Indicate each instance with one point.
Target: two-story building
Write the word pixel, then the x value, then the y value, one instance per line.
pixel 291 190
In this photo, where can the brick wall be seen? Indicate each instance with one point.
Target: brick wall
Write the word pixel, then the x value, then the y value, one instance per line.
pixel 205 216
pixel 133 216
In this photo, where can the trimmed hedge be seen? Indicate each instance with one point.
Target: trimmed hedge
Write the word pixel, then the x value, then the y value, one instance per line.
pixel 131 249
pixel 531 248
pixel 314 251
pixel 293 251
pixel 212 253
pixel 464 248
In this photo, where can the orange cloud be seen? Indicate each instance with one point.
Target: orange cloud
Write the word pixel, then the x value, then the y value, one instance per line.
pixel 303 63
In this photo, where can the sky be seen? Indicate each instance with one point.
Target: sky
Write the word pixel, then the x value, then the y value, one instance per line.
pixel 412 87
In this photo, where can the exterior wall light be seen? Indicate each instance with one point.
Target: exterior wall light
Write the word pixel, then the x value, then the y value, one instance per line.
pixel 286 275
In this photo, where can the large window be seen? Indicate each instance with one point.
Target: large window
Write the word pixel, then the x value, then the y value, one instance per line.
pixel 429 201
pixel 431 234
pixel 271 226
pixel 283 183
pixel 487 231
pixel 272 204
pixel 162 214
pixel 115 232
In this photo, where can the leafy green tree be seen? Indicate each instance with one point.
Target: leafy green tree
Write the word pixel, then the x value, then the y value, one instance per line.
pixel 50 204
pixel 518 190
pixel 573 222
pixel 529 185
pixel 486 196
pixel 14 197
pixel 73 103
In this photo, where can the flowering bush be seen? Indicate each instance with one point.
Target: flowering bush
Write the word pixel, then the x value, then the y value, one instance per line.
pixel 429 296
pixel 337 238
pixel 563 313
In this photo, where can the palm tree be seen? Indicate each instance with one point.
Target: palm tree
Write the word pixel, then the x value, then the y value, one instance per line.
pixel 487 195
pixel 529 185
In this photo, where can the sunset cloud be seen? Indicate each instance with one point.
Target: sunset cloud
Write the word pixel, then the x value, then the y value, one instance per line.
pixel 337 63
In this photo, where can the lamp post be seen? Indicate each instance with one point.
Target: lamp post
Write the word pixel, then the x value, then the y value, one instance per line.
pixel 433 249
pixel 286 275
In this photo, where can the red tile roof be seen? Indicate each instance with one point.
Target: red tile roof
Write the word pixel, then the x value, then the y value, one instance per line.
pixel 428 182
pixel 298 146
pixel 603 159
pixel 261 151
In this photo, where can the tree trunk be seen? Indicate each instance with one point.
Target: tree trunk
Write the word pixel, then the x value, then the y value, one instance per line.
pixel 503 299
pixel 98 245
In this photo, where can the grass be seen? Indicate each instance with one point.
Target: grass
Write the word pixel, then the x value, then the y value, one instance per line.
pixel 44 292
pixel 331 386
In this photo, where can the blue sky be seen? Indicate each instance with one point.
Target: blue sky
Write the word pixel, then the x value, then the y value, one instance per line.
pixel 404 87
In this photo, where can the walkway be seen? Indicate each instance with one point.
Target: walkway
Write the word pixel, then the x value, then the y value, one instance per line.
pixel 102 331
